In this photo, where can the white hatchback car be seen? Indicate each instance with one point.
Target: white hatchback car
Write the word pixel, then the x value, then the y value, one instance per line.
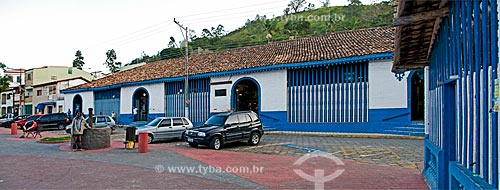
pixel 165 128
pixel 98 122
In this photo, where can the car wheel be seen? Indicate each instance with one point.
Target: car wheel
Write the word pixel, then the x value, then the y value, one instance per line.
pixel 254 138
pixel 150 139
pixel 61 127
pixel 194 145
pixel 215 143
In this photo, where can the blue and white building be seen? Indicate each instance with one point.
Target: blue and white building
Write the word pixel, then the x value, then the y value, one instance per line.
pixel 457 44
pixel 340 82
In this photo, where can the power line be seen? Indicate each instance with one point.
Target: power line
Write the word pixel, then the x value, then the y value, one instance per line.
pixel 224 15
pixel 254 5
pixel 187 16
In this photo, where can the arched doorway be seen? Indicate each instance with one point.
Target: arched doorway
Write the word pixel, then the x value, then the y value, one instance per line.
pixel 141 102
pixel 417 96
pixel 245 95
pixel 77 104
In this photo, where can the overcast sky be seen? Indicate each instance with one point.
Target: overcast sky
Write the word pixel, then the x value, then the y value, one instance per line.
pixel 35 33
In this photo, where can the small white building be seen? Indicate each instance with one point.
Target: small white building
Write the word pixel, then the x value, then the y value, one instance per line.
pixel 339 82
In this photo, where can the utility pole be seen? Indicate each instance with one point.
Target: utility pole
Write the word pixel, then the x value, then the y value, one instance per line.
pixel 186 83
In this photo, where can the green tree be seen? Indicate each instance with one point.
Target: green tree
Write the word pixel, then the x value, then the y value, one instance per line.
pixel 295 5
pixel 309 7
pixel 5 80
pixel 205 33
pixel 78 61
pixel 192 35
pixel 355 2
pixel 270 25
pixel 299 27
pixel 325 3
pixel 171 43
pixel 110 61
pixel 171 52
pixel 218 31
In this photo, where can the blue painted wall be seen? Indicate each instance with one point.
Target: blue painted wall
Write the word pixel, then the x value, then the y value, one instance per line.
pixel 394 121
pixel 128 119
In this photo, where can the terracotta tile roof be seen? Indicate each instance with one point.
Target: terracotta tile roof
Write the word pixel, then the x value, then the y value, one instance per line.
pixel 325 47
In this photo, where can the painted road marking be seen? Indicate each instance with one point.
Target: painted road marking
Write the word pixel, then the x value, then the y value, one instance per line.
pixel 308 149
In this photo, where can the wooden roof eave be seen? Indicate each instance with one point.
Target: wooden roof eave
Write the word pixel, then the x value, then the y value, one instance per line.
pixel 402 22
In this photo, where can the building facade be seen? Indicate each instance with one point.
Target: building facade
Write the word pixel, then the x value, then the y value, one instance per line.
pixel 459 51
pixel 341 82
pixel 43 87
pixel 13 98
pixel 47 96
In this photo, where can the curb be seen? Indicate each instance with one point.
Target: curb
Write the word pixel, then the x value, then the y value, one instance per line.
pixel 53 142
pixel 344 135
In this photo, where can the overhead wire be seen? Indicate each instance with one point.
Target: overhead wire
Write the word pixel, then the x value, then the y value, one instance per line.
pixel 156 29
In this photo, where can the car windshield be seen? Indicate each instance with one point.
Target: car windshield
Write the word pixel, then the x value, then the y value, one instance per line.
pixel 154 122
pixel 216 120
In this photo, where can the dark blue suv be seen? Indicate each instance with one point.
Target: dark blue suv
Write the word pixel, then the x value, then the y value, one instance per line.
pixel 224 128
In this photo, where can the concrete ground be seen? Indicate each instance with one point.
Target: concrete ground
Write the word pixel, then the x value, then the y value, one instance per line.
pixel 276 164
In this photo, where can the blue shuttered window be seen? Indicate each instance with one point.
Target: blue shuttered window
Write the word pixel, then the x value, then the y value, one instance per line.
pixel 199 97
pixel 330 94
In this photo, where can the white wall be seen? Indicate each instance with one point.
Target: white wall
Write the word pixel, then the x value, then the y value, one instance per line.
pixel 385 91
pixel 76 82
pixel 156 98
pixel 87 101
pixel 272 85
pixel 220 103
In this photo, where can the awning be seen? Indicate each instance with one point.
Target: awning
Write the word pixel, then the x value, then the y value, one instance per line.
pixel 42 105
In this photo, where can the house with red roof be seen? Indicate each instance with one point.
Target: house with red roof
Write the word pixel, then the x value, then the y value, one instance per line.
pixel 339 82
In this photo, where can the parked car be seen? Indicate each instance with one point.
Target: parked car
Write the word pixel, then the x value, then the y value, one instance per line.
pixel 165 128
pixel 53 120
pixel 9 122
pixel 21 122
pixel 6 117
pixel 225 128
pixel 98 121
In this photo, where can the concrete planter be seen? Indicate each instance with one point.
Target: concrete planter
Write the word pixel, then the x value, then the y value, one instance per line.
pixel 96 138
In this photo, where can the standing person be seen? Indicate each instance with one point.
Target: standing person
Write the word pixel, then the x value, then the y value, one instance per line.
pixel 77 126
pixel 113 115
pixel 69 113
pixel 135 113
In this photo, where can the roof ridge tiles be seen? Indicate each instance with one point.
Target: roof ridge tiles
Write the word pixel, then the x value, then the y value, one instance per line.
pixel 338 45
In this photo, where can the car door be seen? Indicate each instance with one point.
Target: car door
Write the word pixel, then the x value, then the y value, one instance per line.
pixel 232 128
pixel 245 123
pixel 163 129
pixel 44 121
pixel 178 127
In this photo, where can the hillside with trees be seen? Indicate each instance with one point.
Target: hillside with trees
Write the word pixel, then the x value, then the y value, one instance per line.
pixel 300 19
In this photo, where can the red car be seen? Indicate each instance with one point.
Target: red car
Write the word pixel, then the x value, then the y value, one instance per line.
pixel 21 123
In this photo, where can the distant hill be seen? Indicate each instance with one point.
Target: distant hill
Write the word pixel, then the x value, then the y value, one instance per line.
pixel 262 30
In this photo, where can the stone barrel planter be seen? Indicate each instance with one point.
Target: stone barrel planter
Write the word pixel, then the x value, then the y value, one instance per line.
pixel 96 138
